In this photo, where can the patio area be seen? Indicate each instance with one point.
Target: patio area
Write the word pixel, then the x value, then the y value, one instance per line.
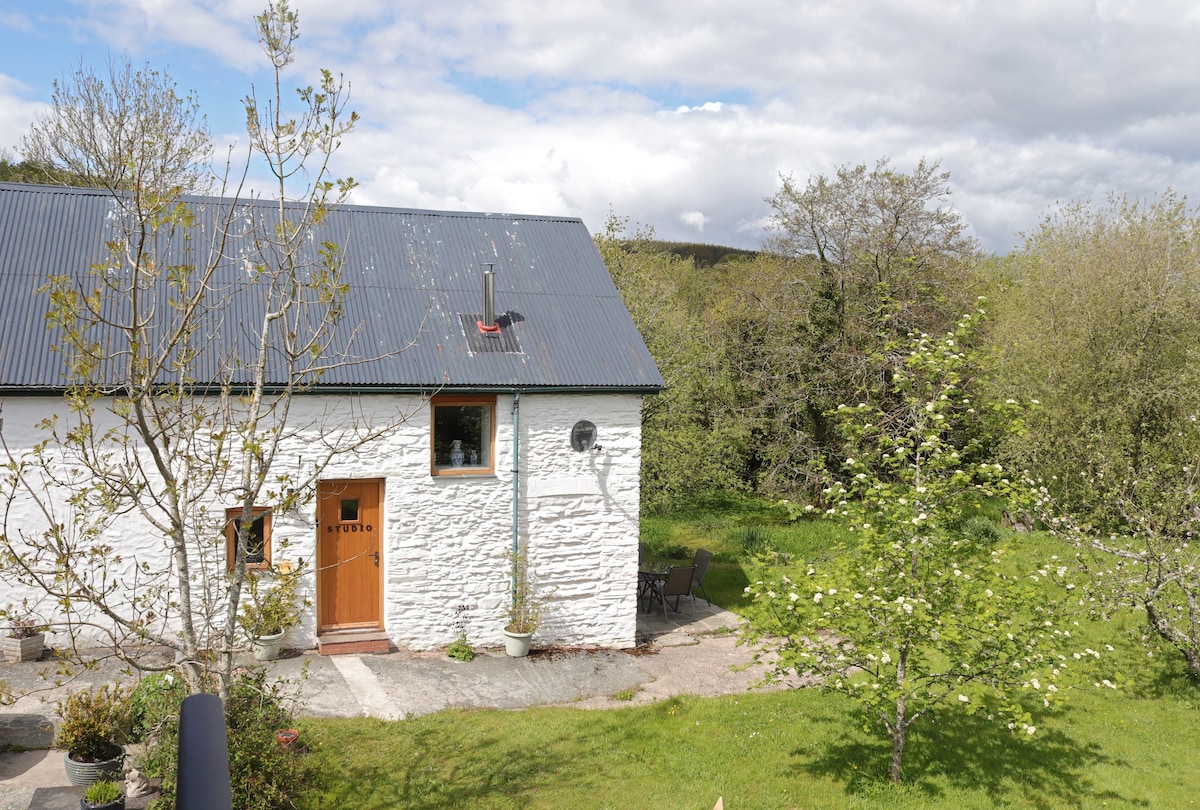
pixel 679 628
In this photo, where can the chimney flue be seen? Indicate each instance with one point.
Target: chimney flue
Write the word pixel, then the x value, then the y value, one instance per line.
pixel 488 324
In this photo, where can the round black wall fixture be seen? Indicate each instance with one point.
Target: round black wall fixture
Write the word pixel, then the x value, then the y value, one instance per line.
pixel 583 436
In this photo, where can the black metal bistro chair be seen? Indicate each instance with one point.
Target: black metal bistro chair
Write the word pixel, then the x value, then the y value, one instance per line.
pixel 677 583
pixel 701 561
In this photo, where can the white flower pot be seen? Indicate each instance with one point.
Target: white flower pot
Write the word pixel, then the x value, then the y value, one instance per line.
pixel 267 648
pixel 517 644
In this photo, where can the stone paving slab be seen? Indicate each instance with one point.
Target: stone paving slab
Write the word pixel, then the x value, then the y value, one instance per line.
pixel 26 730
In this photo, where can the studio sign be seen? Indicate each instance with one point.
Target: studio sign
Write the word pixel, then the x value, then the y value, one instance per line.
pixel 353 527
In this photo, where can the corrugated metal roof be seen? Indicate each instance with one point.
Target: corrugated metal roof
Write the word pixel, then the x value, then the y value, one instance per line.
pixel 412 275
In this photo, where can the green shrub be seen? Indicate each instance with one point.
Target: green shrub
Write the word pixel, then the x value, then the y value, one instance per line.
pixel 981 531
pixel 460 650
pixel 263 775
pixel 94 723
pixel 154 719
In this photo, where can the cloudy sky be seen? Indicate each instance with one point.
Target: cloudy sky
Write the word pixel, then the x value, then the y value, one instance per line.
pixel 683 114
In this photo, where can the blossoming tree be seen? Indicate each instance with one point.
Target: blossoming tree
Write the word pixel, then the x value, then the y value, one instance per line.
pixel 922 611
pixel 1144 556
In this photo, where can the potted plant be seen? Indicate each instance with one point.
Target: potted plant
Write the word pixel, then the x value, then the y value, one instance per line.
pixel 103 795
pixel 525 608
pixel 94 724
pixel 25 641
pixel 270 608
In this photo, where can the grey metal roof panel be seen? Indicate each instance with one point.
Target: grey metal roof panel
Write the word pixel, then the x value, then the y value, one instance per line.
pixel 412 275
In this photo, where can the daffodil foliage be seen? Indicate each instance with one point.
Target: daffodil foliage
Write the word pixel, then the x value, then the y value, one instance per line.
pixel 923 610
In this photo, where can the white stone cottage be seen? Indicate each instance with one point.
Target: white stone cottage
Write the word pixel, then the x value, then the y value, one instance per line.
pixel 531 435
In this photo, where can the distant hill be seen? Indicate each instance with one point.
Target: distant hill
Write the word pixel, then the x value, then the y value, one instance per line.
pixel 26 171
pixel 704 255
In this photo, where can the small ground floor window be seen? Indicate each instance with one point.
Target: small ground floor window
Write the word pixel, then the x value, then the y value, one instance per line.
pixel 258 543
pixel 463 434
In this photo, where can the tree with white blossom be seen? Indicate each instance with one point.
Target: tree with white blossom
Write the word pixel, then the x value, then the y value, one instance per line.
pixel 922 611
pixel 1145 555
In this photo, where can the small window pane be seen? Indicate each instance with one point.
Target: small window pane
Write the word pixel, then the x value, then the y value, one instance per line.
pixel 462 436
pixel 349 510
pixel 256 542
pixel 258 538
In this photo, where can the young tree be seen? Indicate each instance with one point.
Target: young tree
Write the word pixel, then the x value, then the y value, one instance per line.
pixel 920 613
pixel 165 422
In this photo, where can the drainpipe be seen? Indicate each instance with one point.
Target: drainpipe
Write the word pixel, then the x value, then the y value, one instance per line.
pixel 516 483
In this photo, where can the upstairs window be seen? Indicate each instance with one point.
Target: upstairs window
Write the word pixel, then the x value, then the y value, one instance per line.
pixel 258 544
pixel 463 435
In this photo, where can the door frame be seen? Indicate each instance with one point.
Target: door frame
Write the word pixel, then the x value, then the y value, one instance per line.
pixel 379 605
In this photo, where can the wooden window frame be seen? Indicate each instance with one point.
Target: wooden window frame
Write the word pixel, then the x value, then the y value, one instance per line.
pixel 459 400
pixel 232 516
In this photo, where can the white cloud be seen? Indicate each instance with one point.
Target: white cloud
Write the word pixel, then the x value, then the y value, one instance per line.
pixel 19 112
pixel 648 109
pixel 15 20
pixel 706 107
pixel 694 219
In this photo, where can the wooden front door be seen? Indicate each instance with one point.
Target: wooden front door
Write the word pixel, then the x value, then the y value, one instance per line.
pixel 349 555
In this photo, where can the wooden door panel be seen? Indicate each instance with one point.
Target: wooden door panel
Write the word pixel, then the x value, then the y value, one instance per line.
pixel 349 554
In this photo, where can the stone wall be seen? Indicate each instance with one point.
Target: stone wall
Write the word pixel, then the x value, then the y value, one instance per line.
pixel 446 538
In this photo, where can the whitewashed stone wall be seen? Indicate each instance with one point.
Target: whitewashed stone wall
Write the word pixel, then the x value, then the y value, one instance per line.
pixel 446 537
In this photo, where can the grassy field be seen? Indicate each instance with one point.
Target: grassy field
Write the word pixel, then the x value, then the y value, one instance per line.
pixel 1132 748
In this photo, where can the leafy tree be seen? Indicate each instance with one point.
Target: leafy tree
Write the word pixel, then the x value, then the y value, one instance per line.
pixel 920 614
pixel 148 431
pixel 692 441
pixel 889 254
pixel 783 389
pixel 1099 320
pixel 1100 323
pixel 869 255
pixel 25 171
pixel 126 131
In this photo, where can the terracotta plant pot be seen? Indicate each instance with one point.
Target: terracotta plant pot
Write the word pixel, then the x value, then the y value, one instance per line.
pixel 286 736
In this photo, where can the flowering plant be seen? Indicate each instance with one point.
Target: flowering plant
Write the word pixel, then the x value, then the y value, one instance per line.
pixel 25 627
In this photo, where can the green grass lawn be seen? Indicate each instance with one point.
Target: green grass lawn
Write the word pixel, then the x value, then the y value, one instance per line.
pixel 1131 748
pixel 799 749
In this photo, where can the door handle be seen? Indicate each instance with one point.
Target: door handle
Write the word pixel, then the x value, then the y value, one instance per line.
pixel 376 559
